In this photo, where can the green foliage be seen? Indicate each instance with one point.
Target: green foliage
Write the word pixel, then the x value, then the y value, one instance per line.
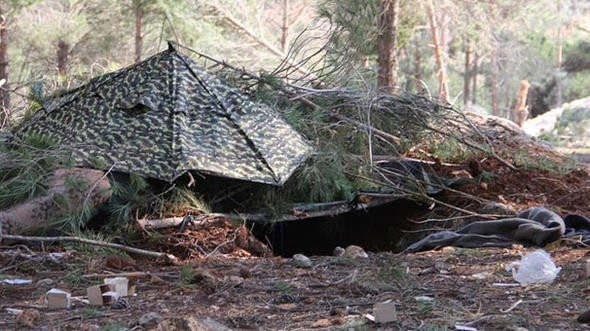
pixel 450 150
pixel 25 169
pixel 577 85
pixel 186 275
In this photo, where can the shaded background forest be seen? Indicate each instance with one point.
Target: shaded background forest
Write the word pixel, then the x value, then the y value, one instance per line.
pixel 485 48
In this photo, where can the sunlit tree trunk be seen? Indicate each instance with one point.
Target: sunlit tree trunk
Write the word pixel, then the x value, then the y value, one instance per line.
pixel 443 87
pixel 520 109
pixel 558 83
pixel 474 72
pixel 138 29
pixel 467 74
pixel 418 63
pixel 386 45
pixel 494 80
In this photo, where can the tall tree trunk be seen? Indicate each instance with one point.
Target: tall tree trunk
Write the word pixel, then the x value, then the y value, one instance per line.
pixel 520 109
pixel 558 82
pixel 285 26
pixel 443 87
pixel 467 74
pixel 138 29
pixel 494 80
pixel 63 53
pixel 4 93
pixel 474 72
pixel 418 63
pixel 386 45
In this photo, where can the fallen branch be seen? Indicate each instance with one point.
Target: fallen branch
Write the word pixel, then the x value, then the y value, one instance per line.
pixel 132 274
pixel 168 257
pixel 170 222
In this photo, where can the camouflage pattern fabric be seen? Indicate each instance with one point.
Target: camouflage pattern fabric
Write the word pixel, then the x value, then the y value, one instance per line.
pixel 166 115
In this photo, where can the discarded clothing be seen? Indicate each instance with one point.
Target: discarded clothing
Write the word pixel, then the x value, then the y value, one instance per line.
pixel 536 226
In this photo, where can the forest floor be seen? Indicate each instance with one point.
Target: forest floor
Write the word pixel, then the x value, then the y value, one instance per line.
pixel 445 289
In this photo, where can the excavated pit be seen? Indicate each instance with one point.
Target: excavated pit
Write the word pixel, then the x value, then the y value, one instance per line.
pixel 379 228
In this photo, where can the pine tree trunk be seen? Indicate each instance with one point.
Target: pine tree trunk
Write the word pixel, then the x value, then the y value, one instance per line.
pixel 387 43
pixel 418 63
pixel 4 93
pixel 138 30
pixel 467 74
pixel 520 109
pixel 443 88
pixel 474 72
pixel 63 52
pixel 494 81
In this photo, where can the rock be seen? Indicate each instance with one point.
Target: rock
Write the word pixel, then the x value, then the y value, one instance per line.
pixel 584 317
pixel 355 252
pixel 28 318
pixel 301 261
pixel 339 251
pixel 149 320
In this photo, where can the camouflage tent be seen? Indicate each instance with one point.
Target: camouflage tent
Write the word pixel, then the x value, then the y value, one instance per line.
pixel 165 116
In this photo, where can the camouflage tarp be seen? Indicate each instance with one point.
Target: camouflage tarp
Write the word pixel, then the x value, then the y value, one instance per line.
pixel 166 115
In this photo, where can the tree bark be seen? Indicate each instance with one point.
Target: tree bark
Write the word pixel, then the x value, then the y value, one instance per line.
pixel 418 63
pixel 474 72
pixel 558 80
pixel 520 109
pixel 467 74
pixel 4 93
pixel 63 53
pixel 386 45
pixel 443 88
pixel 138 29
pixel 494 80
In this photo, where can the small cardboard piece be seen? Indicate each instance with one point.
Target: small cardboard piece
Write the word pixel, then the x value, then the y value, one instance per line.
pixel 384 312
pixel 58 299
pixel 95 294
pixel 110 297
pixel 121 285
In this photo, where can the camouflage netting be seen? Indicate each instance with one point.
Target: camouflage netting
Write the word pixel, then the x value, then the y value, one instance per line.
pixel 165 116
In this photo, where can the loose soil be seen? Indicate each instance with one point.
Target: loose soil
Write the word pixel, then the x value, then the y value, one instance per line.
pixel 228 278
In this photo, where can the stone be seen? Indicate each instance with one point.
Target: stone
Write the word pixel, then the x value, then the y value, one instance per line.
pixel 58 299
pixel 584 317
pixel 339 251
pixel 355 252
pixel 302 261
